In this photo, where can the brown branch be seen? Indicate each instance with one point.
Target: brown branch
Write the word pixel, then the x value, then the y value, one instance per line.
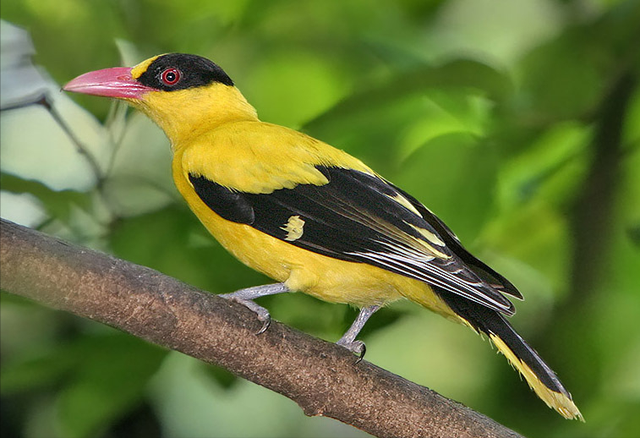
pixel 320 376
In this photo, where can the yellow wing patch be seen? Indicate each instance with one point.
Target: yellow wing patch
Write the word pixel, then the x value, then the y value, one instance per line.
pixel 405 203
pixel 294 228
pixel 431 237
pixel 428 235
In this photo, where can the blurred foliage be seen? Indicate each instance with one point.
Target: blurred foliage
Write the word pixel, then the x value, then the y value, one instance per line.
pixel 518 122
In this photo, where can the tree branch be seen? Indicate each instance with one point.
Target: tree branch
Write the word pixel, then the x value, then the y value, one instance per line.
pixel 320 376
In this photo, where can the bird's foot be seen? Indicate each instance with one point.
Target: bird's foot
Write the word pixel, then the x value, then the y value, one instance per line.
pixel 356 347
pixel 246 296
pixel 348 340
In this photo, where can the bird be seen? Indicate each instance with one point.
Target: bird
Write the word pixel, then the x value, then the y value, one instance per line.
pixel 312 217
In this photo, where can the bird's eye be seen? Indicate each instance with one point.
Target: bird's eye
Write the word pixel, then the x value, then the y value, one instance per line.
pixel 171 76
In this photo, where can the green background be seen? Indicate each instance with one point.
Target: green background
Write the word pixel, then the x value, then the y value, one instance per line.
pixel 517 122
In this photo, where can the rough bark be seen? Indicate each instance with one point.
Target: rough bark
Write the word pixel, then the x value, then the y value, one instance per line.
pixel 321 377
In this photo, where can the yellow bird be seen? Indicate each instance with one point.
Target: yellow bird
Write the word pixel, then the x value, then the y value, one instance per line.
pixel 312 217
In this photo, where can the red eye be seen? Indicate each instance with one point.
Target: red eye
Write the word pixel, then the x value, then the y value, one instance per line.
pixel 171 76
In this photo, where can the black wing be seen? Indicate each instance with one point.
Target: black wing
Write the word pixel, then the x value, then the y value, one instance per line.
pixel 483 271
pixel 360 217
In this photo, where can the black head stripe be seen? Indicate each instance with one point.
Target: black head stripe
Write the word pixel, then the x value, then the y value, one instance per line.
pixel 196 71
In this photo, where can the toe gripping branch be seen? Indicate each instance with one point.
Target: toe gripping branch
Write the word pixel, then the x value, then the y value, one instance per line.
pixel 348 340
pixel 246 297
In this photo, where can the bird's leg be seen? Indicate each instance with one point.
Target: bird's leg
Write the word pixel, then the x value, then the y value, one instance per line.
pixel 348 340
pixel 246 297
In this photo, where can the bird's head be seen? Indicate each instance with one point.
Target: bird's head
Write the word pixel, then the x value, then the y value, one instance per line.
pixel 184 94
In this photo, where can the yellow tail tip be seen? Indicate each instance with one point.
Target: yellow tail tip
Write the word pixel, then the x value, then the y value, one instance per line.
pixel 561 402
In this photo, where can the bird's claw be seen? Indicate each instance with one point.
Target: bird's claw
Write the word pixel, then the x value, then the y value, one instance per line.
pixel 356 347
pixel 266 322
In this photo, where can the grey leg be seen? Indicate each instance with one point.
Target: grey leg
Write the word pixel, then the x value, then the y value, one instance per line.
pixel 348 340
pixel 246 297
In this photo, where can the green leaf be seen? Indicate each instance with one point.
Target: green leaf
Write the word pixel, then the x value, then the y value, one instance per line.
pixel 433 174
pixel 462 74
pixel 37 373
pixel 550 167
pixel 312 86
pixel 172 241
pixel 113 373
pixel 58 204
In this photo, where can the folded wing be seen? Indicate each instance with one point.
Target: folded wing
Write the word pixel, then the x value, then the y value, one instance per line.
pixel 360 217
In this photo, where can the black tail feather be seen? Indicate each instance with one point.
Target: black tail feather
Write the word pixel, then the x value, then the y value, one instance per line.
pixel 540 377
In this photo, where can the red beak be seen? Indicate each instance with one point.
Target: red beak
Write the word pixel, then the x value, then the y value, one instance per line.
pixel 110 82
